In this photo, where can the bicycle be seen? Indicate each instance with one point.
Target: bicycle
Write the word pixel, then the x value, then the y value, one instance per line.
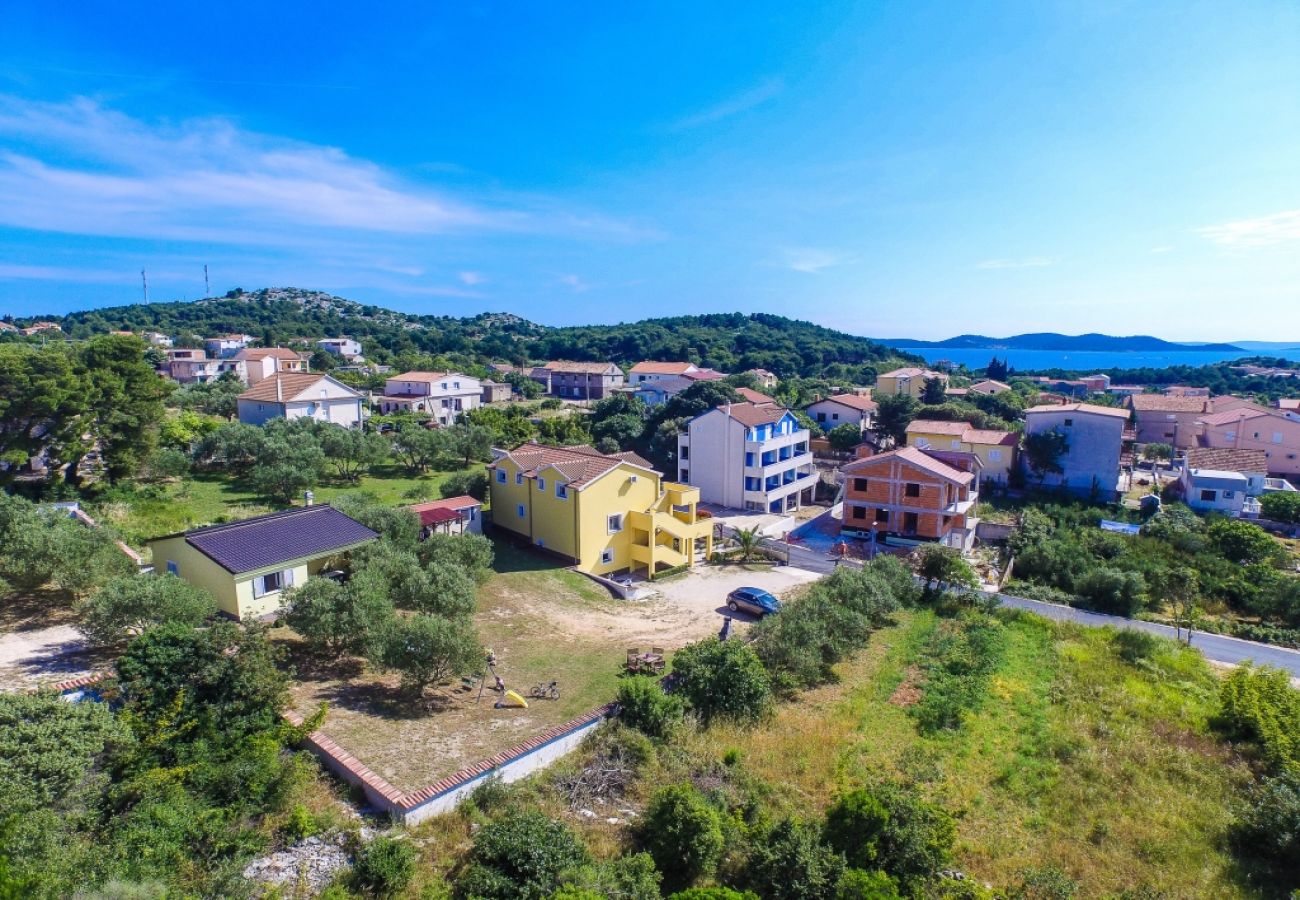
pixel 545 691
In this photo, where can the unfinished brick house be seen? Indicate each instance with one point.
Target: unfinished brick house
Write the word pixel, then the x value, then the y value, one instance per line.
pixel 911 495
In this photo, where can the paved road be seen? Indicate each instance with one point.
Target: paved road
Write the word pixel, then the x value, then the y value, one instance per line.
pixel 1215 647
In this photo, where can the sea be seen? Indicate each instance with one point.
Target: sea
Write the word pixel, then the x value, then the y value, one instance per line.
pixel 1077 360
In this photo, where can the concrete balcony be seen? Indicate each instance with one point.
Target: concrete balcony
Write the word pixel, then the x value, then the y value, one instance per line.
pixel 776 443
pixel 776 468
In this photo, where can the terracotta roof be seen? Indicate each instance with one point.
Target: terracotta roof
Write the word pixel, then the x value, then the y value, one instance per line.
pixel 1228 401
pixel 916 457
pixel 1168 403
pixel 957 392
pixel 579 464
pixel 438 516
pixel 1086 408
pixel 1228 416
pixel 448 510
pixel 854 401
pixel 990 384
pixel 580 368
pixel 751 414
pixel 662 368
pixel 265 352
pixel 989 436
pixel 1289 403
pixel 419 376
pixel 753 396
pixel 907 372
pixel 705 375
pixel 310 531
pixel 295 384
pixel 1225 459
pixel 938 426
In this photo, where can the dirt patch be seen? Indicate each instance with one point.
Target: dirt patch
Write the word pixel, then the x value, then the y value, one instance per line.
pixel 908 691
pixel 35 657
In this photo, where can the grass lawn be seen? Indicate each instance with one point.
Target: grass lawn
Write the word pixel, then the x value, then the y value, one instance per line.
pixel 203 498
pixel 413 743
pixel 1074 759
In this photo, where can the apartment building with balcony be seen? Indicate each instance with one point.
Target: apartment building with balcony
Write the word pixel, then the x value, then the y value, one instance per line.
pixel 442 395
pixel 913 495
pixel 607 513
pixel 748 456
pixel 189 366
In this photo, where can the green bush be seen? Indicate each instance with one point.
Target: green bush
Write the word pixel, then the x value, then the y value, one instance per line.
pixel 793 864
pixel 890 828
pixel 1135 646
pixel 520 856
pixel 713 893
pixel 1269 827
pixel 473 484
pixel 959 661
pixel 643 705
pixel 1045 883
pixel 1112 591
pixel 1259 705
pixel 683 834
pixel 384 866
pixel 1281 506
pixel 722 679
pixel 856 884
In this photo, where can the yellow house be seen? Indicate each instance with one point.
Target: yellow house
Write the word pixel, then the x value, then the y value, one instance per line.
pixel 247 565
pixel 910 381
pixel 608 513
pixel 995 449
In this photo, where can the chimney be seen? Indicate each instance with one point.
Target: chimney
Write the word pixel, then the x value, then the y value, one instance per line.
pixel 279 388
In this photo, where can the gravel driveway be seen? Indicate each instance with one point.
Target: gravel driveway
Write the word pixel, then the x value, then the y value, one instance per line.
pixel 703 590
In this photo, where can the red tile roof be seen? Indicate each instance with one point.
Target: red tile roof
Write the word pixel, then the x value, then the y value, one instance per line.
pixel 295 384
pixel 1086 408
pixel 580 464
pixel 752 396
pixel 860 402
pixel 1168 403
pixel 1225 459
pixel 650 367
pixel 750 414
pixel 913 456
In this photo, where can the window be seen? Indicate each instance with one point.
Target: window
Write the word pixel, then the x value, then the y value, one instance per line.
pixel 911 489
pixel 1232 435
pixel 561 490
pixel 1228 495
pixel 541 484
pixel 749 459
pixel 859 512
pixel 615 523
pixel 1277 437
pixel 882 516
pixel 473 513
pixel 859 484
pixel 835 417
pixel 172 568
pixel 1208 496
pixel 272 582
pixel 821 417
pixel 955 443
pixel 995 456
pixel 521 510
pixel 685 476
pixel 607 555
pixel 501 476
pixel 519 478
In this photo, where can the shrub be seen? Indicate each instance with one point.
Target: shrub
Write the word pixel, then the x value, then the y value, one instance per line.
pixel 713 893
pixel 473 484
pixel 1281 506
pixel 1135 646
pixel 1269 828
pixel 793 864
pixel 1241 542
pixel 132 604
pixel 337 619
pixel 683 834
pixel 722 679
pixel 643 705
pixel 384 866
pixel 1045 883
pixel 1112 591
pixel 856 884
pixel 520 856
pixel 911 841
pixel 1259 705
pixel 629 877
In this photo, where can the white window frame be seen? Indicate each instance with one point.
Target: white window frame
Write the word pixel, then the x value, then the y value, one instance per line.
pixel 260 589
pixel 614 523
pixel 607 555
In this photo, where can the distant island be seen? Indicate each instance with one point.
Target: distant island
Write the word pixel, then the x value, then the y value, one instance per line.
pixel 1141 343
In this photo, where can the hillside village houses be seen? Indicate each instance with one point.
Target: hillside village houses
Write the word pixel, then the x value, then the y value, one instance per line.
pixel 909 380
pixel 997 450
pixel 246 566
pixel 1094 435
pixel 442 395
pixel 1250 427
pixel 748 456
pixel 260 363
pixel 301 395
pixel 188 366
pixel 1168 419
pixel 844 409
pixel 605 513
pixel 912 495
pixel 1224 481
pixel 582 380
pixel 765 379
pixel 227 345
pixel 343 347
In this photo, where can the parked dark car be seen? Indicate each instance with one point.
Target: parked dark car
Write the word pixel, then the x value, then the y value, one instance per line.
pixel 753 600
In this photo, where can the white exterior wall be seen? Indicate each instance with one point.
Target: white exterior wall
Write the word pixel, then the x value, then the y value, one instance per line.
pixel 1092 455
pixel 1194 484
pixel 829 414
pixel 717 445
pixel 332 402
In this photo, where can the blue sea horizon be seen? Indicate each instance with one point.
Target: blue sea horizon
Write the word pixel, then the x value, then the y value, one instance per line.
pixel 1077 360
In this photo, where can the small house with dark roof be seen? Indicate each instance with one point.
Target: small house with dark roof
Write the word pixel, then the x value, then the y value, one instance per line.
pixel 451 515
pixel 247 565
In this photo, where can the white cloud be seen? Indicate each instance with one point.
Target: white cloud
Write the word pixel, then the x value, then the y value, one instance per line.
pixel 1165 248
pixel 742 102
pixel 573 283
pixel 471 278
pixel 1272 229
pixel 17 272
pixel 80 168
pixel 813 260
pixel 1028 262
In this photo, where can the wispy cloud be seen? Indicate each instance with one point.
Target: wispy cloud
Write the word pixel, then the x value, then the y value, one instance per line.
pixel 18 272
pixel 1164 248
pixel 746 100
pixel 813 260
pixel 471 278
pixel 1272 229
pixel 80 168
pixel 573 283
pixel 1027 262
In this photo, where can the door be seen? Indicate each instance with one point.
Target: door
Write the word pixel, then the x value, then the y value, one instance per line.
pixel 909 523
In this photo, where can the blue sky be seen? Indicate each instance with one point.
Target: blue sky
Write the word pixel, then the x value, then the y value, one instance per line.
pixel 891 169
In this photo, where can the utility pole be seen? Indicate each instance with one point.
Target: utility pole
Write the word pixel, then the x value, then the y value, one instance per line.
pixel 207 288
pixel 144 284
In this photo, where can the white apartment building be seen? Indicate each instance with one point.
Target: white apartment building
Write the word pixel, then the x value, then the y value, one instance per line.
pixel 344 347
pixel 188 366
pixel 228 344
pixel 743 456
pixel 297 395
pixel 443 395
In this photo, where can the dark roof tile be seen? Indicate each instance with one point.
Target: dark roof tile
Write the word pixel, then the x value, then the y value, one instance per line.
pixel 263 541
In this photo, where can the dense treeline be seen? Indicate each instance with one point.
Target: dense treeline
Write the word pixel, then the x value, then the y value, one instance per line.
pixel 729 342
